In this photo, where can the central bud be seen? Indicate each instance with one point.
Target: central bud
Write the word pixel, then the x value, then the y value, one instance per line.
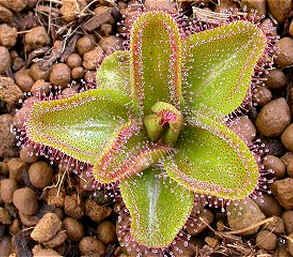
pixel 164 124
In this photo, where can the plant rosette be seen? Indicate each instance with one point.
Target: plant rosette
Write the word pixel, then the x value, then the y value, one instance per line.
pixel 157 125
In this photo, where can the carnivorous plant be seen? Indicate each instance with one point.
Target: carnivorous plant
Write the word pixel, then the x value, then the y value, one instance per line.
pixel 156 125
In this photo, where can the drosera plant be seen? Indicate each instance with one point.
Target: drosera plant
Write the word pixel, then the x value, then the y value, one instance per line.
pixel 157 124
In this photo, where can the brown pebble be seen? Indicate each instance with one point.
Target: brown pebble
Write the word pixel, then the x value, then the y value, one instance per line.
pixel 73 206
pixel 85 44
pixel 110 44
pixel 5 14
pixel 287 137
pixel 95 211
pixel 48 226
pixel 90 245
pixel 40 174
pixel 266 240
pixel 25 200
pixel 8 35
pixel 16 168
pixel 282 190
pixel 66 92
pixel 276 226
pixel 57 240
pixel 55 197
pixel 5 59
pixel 77 73
pixel 276 79
pixel 92 58
pixel 37 73
pixel 279 9
pixel 70 9
pixel 40 88
pixel 90 76
pixel 7 139
pixel 60 74
pixel 269 205
pixel 287 157
pixel 106 29
pixel 46 253
pixel 73 228
pixel 15 5
pixel 287 217
pixel 74 60
pixel 242 214
pixel 262 95
pixel 7 187
pixel 28 154
pixel 10 93
pixel 273 118
pixel 5 218
pixel 106 232
pixel 24 80
pixel 275 164
pixel 36 38
pixel 290 169
pixel 159 5
pixel 102 10
pixel 285 52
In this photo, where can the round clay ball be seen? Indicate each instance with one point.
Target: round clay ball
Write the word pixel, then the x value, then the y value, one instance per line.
pixel 25 200
pixel 37 73
pixel 74 229
pixel 36 38
pixel 8 186
pixel 60 75
pixel 85 44
pixel 5 59
pixel 287 137
pixel 40 174
pixel 74 60
pixel 266 240
pixel 90 245
pixel 106 232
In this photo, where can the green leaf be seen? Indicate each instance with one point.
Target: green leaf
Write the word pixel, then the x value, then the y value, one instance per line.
pixel 219 64
pixel 123 160
pixel 84 125
pixel 114 72
pixel 158 207
pixel 213 160
pixel 155 60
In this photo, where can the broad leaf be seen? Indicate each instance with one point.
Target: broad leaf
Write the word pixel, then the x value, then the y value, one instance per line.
pixel 219 64
pixel 158 207
pixel 155 60
pixel 114 72
pixel 122 160
pixel 213 160
pixel 84 125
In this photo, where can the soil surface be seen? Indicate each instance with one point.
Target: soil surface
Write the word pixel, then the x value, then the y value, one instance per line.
pixel 46 211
